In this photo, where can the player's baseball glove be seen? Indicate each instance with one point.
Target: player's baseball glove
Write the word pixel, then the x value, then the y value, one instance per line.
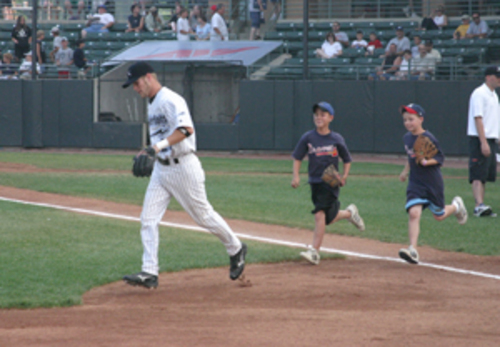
pixel 143 162
pixel 424 148
pixel 331 176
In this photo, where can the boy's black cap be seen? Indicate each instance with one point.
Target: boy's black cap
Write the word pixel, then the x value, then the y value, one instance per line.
pixel 136 71
pixel 492 70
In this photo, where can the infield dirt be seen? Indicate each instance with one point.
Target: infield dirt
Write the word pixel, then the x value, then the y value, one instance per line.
pixel 351 302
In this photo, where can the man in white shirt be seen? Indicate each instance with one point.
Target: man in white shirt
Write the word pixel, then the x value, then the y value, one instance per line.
pixel 56 43
pixel 483 130
pixel 432 52
pixel 183 27
pixel 99 23
pixel 423 66
pixel 219 30
pixel 401 41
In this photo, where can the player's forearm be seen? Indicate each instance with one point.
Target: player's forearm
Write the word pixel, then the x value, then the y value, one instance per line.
pixel 176 137
pixel 296 167
pixel 406 169
pixel 347 169
pixel 429 162
pixel 480 129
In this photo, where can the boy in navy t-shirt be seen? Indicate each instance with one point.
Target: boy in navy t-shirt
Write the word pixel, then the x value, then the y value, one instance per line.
pixel 324 147
pixel 425 185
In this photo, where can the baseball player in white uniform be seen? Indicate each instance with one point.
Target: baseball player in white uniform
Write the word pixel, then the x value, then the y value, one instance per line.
pixel 177 173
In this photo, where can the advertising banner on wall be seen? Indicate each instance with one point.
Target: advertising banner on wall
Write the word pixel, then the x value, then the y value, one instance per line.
pixel 234 52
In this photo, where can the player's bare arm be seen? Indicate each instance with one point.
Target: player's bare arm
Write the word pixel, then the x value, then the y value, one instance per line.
pixel 404 174
pixel 347 169
pixel 485 148
pixel 177 136
pixel 428 162
pixel 296 176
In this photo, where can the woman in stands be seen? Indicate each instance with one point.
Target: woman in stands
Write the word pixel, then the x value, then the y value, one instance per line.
pixel 330 48
pixel 202 29
pixel 21 35
pixel 437 20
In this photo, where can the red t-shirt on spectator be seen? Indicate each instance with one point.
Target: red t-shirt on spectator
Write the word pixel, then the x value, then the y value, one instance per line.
pixel 376 43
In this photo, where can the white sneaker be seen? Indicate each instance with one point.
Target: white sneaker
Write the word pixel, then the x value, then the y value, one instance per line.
pixel 409 254
pixel 461 213
pixel 311 255
pixel 484 211
pixel 355 217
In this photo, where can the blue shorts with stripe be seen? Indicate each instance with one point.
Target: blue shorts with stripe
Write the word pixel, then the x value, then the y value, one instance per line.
pixel 436 210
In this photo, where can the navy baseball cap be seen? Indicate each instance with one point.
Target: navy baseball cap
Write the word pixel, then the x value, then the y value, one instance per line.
pixel 136 71
pixel 323 105
pixel 413 109
pixel 492 70
pixel 102 6
pixel 399 28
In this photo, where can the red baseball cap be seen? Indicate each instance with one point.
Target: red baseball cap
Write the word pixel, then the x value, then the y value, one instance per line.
pixel 214 8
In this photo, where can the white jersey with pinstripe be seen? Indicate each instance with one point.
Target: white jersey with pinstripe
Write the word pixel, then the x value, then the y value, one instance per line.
pixel 185 180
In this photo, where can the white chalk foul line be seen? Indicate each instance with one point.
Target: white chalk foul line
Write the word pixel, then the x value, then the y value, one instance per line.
pixel 255 238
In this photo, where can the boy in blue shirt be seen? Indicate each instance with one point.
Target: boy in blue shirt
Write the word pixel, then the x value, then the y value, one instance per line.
pixel 425 184
pixel 324 147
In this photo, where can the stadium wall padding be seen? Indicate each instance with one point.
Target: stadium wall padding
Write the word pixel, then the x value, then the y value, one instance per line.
pixel 11 110
pixel 366 112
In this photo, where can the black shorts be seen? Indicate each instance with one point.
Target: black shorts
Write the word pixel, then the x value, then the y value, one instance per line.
pixel 324 199
pixel 482 168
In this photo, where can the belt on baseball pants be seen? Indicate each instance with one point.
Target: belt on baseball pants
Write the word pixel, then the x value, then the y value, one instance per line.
pixel 168 162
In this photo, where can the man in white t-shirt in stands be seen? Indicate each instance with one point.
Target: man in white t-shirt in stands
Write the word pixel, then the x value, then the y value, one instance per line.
pixel 183 27
pixel 219 30
pixel 99 23
pixel 401 41
pixel 483 130
pixel 56 43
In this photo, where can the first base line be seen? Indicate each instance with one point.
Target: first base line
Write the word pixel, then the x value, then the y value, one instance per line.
pixel 254 238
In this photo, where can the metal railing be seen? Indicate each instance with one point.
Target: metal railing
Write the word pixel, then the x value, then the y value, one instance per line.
pixel 347 9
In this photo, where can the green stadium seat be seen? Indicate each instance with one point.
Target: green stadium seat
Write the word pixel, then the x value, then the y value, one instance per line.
pixel 495 34
pixel 5 35
pixel 275 36
pixel 324 26
pixel 353 52
pixel 115 46
pixel 285 26
pixel 97 36
pixel 352 73
pixel 378 52
pixel 367 27
pixel 5 26
pixel 286 72
pixel 294 35
pixel 369 61
pixel 385 26
pixel 448 43
pixel 385 35
pixel 311 53
pixel 325 72
pixel 96 45
pixel 73 27
pixel 119 27
pixel 493 24
pixel 317 35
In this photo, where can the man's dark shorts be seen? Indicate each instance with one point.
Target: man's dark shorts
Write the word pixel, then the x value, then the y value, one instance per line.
pixel 255 18
pixel 324 200
pixel 482 168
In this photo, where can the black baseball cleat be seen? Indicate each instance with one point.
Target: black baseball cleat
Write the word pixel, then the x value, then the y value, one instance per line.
pixel 237 263
pixel 142 279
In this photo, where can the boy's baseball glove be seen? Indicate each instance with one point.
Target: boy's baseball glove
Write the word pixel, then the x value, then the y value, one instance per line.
pixel 424 148
pixel 144 162
pixel 331 176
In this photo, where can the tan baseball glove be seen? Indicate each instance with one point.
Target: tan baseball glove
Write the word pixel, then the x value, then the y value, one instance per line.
pixel 424 148
pixel 331 176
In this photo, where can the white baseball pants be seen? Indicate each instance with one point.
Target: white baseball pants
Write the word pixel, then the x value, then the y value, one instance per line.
pixel 186 183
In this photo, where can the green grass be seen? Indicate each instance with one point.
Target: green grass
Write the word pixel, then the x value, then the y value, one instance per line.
pixel 50 257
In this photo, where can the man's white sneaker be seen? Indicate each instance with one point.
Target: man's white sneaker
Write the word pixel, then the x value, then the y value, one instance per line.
pixel 355 217
pixel 311 255
pixel 409 254
pixel 461 212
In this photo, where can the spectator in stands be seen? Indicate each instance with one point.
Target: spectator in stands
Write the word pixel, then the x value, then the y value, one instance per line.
pixel 41 56
pixel 26 66
pixel 404 67
pixel 359 42
pixel 7 9
pixel 401 41
pixel 202 29
pixel 423 66
pixel 80 4
pixel 8 71
pixel 173 20
pixel 389 66
pixel 461 31
pixel 340 36
pixel 373 44
pixel 196 11
pixel 478 28
pixel 276 10
pixel 436 20
pixel 183 27
pixel 219 28
pixel 135 20
pixel 99 23
pixel 432 52
pixel 21 35
pixel 80 60
pixel 331 48
pixel 154 22
pixel 417 41
pixel 64 59
pixel 256 9
pixel 56 43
